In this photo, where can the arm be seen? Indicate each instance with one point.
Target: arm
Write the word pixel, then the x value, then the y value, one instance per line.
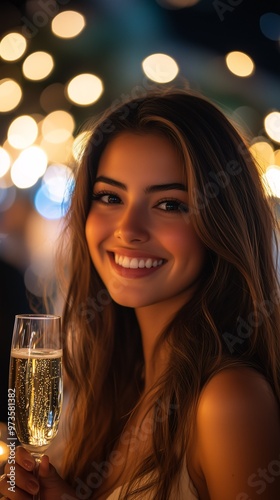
pixel 237 453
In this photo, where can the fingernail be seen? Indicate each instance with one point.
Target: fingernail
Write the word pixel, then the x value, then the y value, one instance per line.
pixel 32 486
pixel 28 465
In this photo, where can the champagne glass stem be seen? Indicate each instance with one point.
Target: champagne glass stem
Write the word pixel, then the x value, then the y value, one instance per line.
pixel 37 457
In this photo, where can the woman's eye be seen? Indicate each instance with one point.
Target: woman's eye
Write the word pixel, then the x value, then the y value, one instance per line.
pixel 106 198
pixel 172 206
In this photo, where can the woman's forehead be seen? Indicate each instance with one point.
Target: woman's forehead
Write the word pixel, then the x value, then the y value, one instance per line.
pixel 150 154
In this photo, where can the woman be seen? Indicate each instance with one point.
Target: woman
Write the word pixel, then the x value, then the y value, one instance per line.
pixel 172 314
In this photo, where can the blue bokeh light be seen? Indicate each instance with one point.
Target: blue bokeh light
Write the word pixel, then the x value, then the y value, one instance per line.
pixel 270 25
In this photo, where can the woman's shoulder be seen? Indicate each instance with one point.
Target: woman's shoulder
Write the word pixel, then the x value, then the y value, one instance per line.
pixel 237 432
pixel 237 394
pixel 239 384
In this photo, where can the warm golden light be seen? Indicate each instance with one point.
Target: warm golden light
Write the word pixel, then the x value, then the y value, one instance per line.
pixel 79 144
pixel 12 46
pixel 4 452
pixel 263 153
pixel 272 178
pixel 277 157
pixel 10 95
pixel 28 167
pixel 84 89
pixel 58 126
pixel 240 64
pixel 22 132
pixel 5 161
pixel 12 152
pixel 58 152
pixel 68 24
pixel 272 125
pixel 38 66
pixel 160 68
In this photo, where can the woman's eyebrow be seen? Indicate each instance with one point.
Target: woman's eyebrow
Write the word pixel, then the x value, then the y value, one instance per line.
pixel 112 182
pixel 149 189
pixel 165 187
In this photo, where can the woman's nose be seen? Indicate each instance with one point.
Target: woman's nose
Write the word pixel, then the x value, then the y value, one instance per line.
pixel 133 226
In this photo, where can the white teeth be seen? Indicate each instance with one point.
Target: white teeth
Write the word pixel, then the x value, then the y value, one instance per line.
pixel 126 262
pixel 135 263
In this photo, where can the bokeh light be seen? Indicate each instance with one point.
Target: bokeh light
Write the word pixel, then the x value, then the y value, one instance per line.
pixel 263 154
pixel 38 66
pixel 58 152
pixel 10 95
pixel 68 24
pixel 272 177
pixel 53 98
pixel 5 161
pixel 270 25
pixel 160 68
pixel 58 179
pixel 272 125
pixel 41 241
pixel 22 132
pixel 58 126
pixel 79 144
pixel 12 152
pixel 45 206
pixel 240 64
pixel 7 196
pixel 12 46
pixel 28 167
pixel 277 157
pixel 52 198
pixel 84 89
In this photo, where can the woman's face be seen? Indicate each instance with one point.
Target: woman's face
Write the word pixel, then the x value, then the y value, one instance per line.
pixel 139 233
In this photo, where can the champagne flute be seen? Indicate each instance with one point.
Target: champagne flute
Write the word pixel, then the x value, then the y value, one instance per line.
pixel 36 378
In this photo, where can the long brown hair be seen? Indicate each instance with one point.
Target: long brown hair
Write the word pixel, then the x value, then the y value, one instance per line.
pixel 232 319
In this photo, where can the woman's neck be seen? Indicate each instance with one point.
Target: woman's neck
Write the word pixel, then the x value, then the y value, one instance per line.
pixel 152 321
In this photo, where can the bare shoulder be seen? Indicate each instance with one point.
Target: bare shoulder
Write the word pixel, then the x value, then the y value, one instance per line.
pixel 237 437
pixel 237 390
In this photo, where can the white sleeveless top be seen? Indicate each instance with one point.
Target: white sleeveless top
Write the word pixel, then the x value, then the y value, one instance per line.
pixel 186 491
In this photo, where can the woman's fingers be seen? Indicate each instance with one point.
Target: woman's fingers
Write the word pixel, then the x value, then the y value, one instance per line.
pixel 19 478
pixel 25 459
pixel 10 492
pixel 18 482
pixel 44 470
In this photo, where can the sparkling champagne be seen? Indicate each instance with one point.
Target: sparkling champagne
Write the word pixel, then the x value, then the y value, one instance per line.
pixel 36 375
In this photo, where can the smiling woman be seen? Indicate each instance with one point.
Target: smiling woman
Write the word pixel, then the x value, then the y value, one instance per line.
pixel 171 258
pixel 137 228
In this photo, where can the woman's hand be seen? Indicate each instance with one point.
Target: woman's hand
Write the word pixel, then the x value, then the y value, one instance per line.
pixel 50 484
